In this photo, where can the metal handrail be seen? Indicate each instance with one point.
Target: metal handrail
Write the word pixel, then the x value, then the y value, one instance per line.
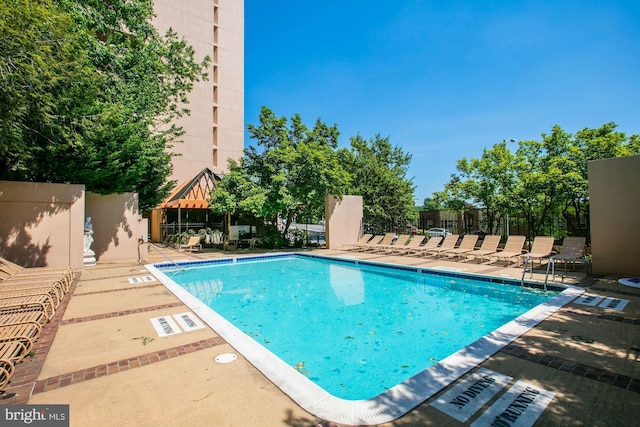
pixel 550 264
pixel 524 272
pixel 154 246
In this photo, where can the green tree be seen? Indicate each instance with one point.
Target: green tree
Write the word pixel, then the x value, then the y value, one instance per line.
pixel 110 87
pixel 542 177
pixel 487 182
pixel 433 203
pixel 541 180
pixel 592 144
pixel 286 175
pixel 379 175
pixel 47 86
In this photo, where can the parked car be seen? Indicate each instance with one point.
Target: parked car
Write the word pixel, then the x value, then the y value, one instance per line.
pixel 438 232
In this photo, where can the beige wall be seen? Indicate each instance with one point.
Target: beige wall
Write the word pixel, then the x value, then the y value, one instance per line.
pixel 117 226
pixel 216 124
pixel 344 220
pixel 42 224
pixel 614 205
pixel 230 84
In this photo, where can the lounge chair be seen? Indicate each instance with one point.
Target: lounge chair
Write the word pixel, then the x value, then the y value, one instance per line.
pixel 433 242
pixel 25 333
pixel 6 372
pixel 13 351
pixel 11 292
pixel 12 305
pixel 467 245
pixel 54 273
pixel 368 244
pixel 395 245
pixel 572 251
pixel 449 242
pixel 361 241
pixel 28 317
pixel 489 246
pixel 542 248
pixel 192 245
pixel 414 244
pixel 60 283
pixel 20 290
pixel 56 288
pixel 513 248
pixel 386 240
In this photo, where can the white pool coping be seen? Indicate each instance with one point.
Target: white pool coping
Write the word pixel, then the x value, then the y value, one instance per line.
pixel 394 402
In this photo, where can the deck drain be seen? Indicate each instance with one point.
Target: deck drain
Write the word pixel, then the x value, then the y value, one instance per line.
pixel 225 358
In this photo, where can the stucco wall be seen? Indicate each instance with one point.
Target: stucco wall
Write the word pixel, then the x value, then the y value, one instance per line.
pixel 42 224
pixel 344 220
pixel 117 226
pixel 614 205
pixel 216 123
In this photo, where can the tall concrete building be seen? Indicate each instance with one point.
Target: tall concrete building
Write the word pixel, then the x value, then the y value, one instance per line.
pixel 214 132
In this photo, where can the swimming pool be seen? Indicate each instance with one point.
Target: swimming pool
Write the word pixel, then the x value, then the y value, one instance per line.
pixel 368 341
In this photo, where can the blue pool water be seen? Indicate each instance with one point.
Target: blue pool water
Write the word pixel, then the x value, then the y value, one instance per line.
pixel 354 329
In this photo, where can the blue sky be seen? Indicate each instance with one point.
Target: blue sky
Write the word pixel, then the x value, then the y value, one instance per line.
pixel 444 79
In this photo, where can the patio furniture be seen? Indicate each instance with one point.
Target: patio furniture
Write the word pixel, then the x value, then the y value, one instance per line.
pixel 20 317
pixel 192 245
pixel 25 333
pixel 361 241
pixel 43 303
pixel 7 291
pixel 449 242
pixel 572 252
pixel 394 245
pixel 15 271
pixel 58 286
pixel 513 248
pixel 467 245
pixel 433 242
pixel 13 351
pixel 413 244
pixel 386 240
pixel 6 372
pixel 489 246
pixel 542 248
pixel 21 290
pixel 368 244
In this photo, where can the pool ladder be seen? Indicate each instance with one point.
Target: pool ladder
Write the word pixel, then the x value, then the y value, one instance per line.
pixel 524 272
pixel 154 246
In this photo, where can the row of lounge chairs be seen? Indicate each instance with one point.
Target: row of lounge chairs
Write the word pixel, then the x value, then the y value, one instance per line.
pixel 513 250
pixel 29 298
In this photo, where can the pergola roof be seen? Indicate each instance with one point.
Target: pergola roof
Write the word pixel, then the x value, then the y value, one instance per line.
pixel 193 194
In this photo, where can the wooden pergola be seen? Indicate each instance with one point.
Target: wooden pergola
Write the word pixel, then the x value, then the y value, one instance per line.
pixel 192 194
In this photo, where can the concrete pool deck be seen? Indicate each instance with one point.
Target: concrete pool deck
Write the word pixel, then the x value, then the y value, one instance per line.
pixel 102 356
